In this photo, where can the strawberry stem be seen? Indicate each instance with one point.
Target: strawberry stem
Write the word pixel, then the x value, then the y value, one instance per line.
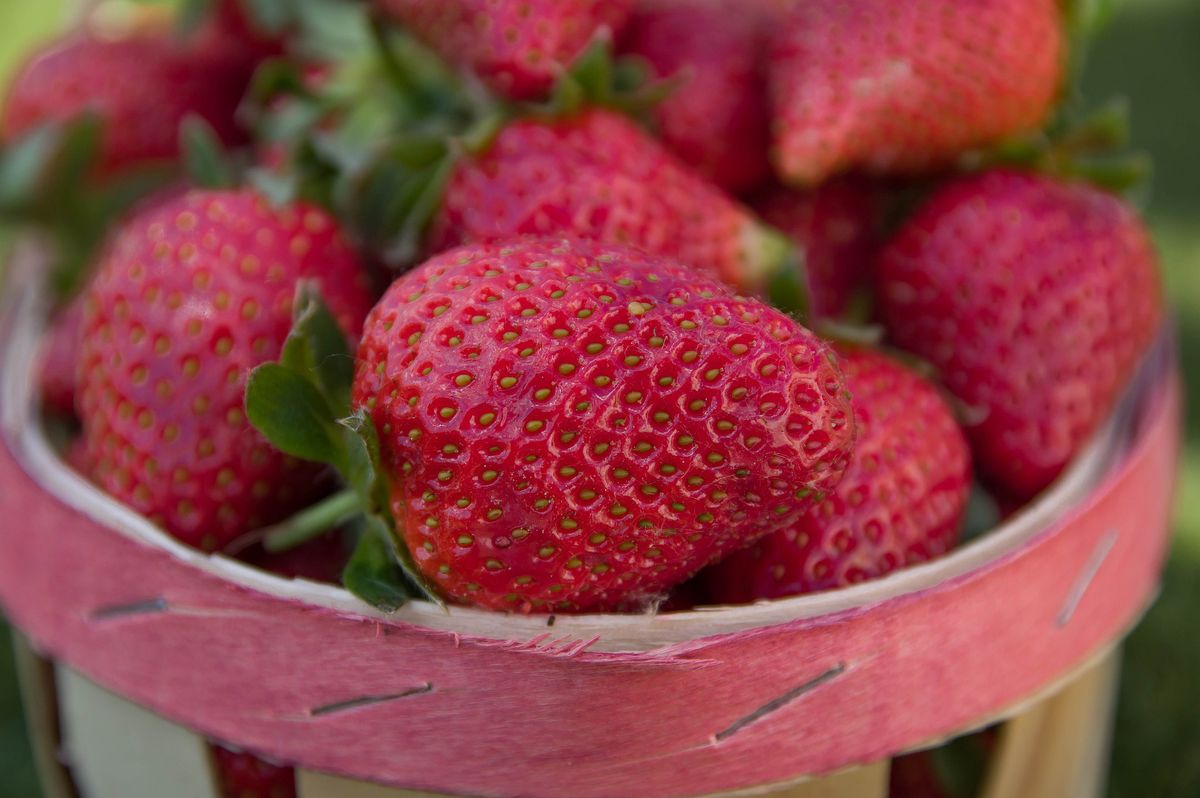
pixel 313 522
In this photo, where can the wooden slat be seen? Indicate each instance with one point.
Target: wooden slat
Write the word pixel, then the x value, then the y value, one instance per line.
pixel 870 781
pixel 38 695
pixel 321 785
pixel 1059 747
pixel 119 750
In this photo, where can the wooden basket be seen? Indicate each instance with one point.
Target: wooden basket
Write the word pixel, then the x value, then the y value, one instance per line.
pixel 746 700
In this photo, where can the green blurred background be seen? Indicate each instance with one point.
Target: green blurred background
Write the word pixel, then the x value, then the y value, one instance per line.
pixel 1151 53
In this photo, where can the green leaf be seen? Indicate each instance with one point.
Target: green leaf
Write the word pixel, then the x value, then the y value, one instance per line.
pixel 291 412
pixel 364 471
pixel 24 164
pixel 204 157
pixel 317 348
pixel 48 162
pixel 373 573
pixel 360 466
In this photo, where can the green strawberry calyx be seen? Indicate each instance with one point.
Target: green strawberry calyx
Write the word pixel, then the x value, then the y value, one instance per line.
pixel 301 404
pixel 377 140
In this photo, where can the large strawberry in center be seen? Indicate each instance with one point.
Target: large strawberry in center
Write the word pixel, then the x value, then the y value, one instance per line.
pixel 570 426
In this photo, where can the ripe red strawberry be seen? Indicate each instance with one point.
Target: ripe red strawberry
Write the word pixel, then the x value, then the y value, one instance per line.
pixel 572 425
pixel 906 87
pixel 836 226
pixel 243 775
pixel 319 560
pixel 716 119
pixel 141 88
pixel 1034 299
pixel 599 176
pixel 518 47
pixel 60 352
pixel 193 293
pixel 901 501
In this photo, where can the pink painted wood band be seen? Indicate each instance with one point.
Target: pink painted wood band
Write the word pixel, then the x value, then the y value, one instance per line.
pixel 426 709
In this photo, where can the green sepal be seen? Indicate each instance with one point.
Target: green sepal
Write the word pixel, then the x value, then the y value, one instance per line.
pixel 205 161
pixel 1078 144
pixel 49 181
pixel 598 78
pixel 301 404
pixel 51 159
pixel 373 572
pixel 364 472
pixel 317 348
pixel 289 410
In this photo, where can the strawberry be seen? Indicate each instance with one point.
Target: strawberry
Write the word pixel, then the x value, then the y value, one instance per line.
pixel 906 87
pixel 716 119
pixel 243 775
pixel 141 88
pixel 319 560
pixel 835 225
pixel 518 47
pixel 597 175
pixel 60 350
pixel 571 426
pixel 901 501
pixel 194 292
pixel 1034 298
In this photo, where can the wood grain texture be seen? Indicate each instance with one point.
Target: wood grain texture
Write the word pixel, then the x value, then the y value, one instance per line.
pixel 1059 747
pixel 39 696
pixel 116 749
pixel 466 714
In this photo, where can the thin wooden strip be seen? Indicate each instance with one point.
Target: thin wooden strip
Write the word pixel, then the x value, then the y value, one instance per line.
pixel 1016 751
pixel 322 785
pixel 1059 747
pixel 38 694
pixel 119 750
pixel 869 781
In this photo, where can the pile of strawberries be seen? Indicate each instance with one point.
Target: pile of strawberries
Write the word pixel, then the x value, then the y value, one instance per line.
pixel 651 267
pixel 553 305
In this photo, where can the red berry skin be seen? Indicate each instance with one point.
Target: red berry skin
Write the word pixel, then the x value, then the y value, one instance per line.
pixel 518 47
pixel 599 176
pixel 319 560
pixel 899 88
pixel 901 501
pixel 141 88
pixel 193 293
pixel 573 426
pixel 836 225
pixel 243 775
pixel 716 119
pixel 60 352
pixel 1034 299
